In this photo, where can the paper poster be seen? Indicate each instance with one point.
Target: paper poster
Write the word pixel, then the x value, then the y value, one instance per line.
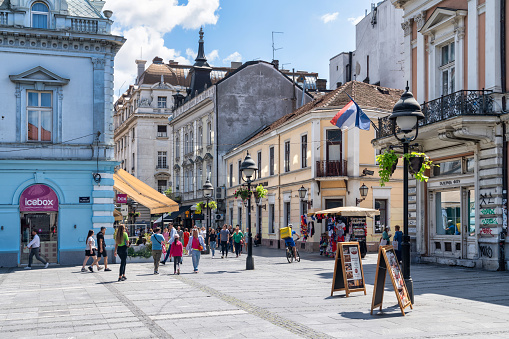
pixel 356 266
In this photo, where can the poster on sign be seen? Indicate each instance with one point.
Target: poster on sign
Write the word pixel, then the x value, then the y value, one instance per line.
pixel 121 198
pixel 349 265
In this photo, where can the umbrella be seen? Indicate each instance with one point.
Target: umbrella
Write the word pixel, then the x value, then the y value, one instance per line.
pixel 351 211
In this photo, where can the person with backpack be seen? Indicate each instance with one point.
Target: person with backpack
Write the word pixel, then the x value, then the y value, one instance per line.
pixel 158 242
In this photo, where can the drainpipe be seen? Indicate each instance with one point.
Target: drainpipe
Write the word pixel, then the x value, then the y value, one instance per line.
pixel 279 188
pixel 502 46
pixel 217 150
pixel 501 252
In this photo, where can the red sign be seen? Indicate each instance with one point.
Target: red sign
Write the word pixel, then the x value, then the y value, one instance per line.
pixel 38 198
pixel 121 198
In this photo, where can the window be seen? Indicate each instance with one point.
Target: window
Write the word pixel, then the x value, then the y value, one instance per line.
pixel 209 171
pixel 303 208
pixel 161 185
pixel 186 143
pixel 133 163
pixel 239 217
pixel 161 160
pixel 161 102
pixel 271 218
pixel 469 165
pixel 209 133
pixel 239 172
pixel 259 164
pixel 133 133
pixel 39 116
pixel 177 147
pixel 200 137
pixel 191 141
pixel 287 213
pixel 381 220
pixel 199 178
pixel 447 69
pixel 471 211
pixel 287 156
pixel 448 212
pixel 271 161
pixel 161 131
pixel 304 151
pixel 177 181
pixel 231 175
pixel 40 15
pixel 447 168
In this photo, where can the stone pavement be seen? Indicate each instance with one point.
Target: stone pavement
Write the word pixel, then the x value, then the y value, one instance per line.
pixel 276 300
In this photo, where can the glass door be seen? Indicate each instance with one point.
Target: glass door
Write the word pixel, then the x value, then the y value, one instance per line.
pixel 46 226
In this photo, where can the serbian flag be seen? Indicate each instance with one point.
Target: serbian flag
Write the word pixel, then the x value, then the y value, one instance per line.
pixel 351 116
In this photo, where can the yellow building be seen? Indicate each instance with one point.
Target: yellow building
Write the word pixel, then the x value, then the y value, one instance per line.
pixel 303 149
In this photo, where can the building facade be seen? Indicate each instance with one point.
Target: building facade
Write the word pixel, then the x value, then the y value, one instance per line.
pixel 57 157
pixel 303 149
pixel 455 52
pixel 379 51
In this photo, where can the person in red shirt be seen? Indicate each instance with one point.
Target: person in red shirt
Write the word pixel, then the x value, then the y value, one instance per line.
pixel 186 237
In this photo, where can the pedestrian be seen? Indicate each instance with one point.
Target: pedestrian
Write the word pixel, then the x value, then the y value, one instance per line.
pixel 195 246
pixel 186 238
pixel 35 246
pixel 90 252
pixel 177 250
pixel 158 242
pixel 172 232
pixel 101 252
pixel 166 234
pixel 180 233
pixel 203 232
pixel 212 241
pixel 385 237
pixel 121 245
pixel 397 240
pixel 237 238
pixel 224 237
pixel 230 241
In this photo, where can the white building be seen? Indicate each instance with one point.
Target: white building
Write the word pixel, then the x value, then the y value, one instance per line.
pixel 378 58
pixel 56 86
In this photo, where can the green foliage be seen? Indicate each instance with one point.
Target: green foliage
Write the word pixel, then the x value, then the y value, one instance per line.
pixel 426 164
pixel 242 192
pixel 260 192
pixel 201 205
pixel 386 161
pixel 168 192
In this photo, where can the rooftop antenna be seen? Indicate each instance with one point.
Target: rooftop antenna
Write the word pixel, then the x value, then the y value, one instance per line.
pixel 274 49
pixel 120 88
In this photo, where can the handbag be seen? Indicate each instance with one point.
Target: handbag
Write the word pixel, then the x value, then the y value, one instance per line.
pixel 383 242
pixel 395 245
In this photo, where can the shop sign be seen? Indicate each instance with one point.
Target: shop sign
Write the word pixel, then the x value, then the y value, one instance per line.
pixel 488 231
pixel 84 200
pixel 38 198
pixel 121 198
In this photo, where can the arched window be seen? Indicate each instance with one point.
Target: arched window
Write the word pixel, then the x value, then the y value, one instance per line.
pixel 40 15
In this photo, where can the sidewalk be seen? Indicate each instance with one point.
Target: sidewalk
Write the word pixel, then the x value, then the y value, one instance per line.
pixel 276 300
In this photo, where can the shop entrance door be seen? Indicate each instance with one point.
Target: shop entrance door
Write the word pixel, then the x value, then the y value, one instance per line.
pixel 46 226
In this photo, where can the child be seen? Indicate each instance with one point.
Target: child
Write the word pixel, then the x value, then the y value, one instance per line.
pixel 176 251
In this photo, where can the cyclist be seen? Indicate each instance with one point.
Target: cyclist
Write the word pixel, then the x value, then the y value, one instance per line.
pixel 290 242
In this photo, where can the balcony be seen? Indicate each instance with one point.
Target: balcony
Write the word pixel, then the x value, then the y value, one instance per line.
pixel 331 168
pixel 4 18
pixel 84 25
pixel 162 134
pixel 461 103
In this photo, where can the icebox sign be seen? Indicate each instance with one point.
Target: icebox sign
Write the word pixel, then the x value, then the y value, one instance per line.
pixel 38 198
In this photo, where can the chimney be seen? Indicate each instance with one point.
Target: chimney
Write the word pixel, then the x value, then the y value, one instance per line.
pixel 236 64
pixel 98 4
pixel 321 84
pixel 275 63
pixel 141 68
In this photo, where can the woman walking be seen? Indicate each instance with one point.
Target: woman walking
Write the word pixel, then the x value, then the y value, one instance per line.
pixel 176 251
pixel 121 244
pixel 90 252
pixel 213 241
pixel 186 238
pixel 196 245
pixel 237 239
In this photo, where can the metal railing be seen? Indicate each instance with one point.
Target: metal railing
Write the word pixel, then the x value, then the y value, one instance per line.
pixel 331 168
pixel 464 102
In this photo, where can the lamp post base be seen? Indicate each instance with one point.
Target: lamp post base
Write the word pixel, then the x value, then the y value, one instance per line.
pixel 410 288
pixel 249 263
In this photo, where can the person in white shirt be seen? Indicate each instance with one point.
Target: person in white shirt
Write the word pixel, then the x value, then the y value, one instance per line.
pixel 90 252
pixel 172 231
pixel 34 247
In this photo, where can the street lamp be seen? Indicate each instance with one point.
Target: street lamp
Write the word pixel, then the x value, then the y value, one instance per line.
pixel 364 192
pixel 208 189
pixel 248 170
pixel 406 115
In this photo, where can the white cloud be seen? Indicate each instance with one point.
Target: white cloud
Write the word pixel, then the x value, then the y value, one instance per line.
pixel 355 21
pixel 329 17
pixel 144 24
pixel 191 54
pixel 233 57
pixel 212 56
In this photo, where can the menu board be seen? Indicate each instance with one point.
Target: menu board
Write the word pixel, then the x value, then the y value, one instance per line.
pixel 349 265
pixel 388 262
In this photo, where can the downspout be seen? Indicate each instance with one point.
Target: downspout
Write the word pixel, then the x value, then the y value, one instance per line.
pixel 501 253
pixel 502 46
pixel 279 188
pixel 217 150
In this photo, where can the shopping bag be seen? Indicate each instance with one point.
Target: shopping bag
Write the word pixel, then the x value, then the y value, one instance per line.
pixel 383 242
pixel 395 245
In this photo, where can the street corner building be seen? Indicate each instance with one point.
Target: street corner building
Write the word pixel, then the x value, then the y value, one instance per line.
pixel 56 147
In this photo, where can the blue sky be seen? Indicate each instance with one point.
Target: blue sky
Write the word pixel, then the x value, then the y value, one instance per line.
pixel 235 30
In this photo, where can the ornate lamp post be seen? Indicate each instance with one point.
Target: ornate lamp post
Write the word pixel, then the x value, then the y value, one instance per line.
pixel 363 190
pixel 249 171
pixel 406 115
pixel 208 189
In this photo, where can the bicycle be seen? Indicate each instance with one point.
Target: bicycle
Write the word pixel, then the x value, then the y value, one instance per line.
pixel 290 256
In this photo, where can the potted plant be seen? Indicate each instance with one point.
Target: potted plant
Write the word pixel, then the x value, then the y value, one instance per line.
pixel 419 163
pixel 201 205
pixel 387 163
pixel 242 192
pixel 260 192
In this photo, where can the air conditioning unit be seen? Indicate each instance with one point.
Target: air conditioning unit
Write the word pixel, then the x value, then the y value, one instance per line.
pixel 220 193
pixel 219 217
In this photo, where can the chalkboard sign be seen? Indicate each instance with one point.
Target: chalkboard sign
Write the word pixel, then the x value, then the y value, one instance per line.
pixel 348 273
pixel 388 262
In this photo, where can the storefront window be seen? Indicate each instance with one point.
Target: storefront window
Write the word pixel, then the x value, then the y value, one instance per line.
pixel 448 212
pixel 381 220
pixel 469 165
pixel 447 168
pixel 471 212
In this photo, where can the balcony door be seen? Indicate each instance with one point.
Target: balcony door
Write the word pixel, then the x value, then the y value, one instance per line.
pixel 334 152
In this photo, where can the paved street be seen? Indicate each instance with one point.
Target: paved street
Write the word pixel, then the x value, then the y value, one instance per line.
pixel 277 300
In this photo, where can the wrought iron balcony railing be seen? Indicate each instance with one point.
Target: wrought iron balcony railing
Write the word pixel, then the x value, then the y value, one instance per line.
pixel 465 102
pixel 331 168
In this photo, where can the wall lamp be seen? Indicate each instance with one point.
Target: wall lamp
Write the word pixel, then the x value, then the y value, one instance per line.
pixel 364 192
pixel 302 195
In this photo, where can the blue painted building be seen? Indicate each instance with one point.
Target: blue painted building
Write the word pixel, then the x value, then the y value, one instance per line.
pixel 56 148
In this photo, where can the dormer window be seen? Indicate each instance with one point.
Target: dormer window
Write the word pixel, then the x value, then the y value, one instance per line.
pixel 40 15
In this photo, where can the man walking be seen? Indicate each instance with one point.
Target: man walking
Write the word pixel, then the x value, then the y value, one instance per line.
pixel 157 240
pixel 102 248
pixel 224 236
pixel 172 232
pixel 34 247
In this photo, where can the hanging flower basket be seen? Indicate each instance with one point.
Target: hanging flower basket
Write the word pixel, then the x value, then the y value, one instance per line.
pixel 387 163
pixel 242 193
pixel 415 164
pixel 419 163
pixel 202 205
pixel 260 192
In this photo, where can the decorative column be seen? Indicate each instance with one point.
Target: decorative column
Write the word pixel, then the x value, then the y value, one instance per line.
pixel 492 38
pixel 473 29
pixel 459 30
pixel 420 19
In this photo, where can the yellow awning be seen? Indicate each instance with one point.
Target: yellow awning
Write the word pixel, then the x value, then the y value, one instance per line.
pixel 143 193
pixel 118 216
